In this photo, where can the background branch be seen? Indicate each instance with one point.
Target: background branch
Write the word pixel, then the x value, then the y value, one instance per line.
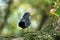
pixel 6 15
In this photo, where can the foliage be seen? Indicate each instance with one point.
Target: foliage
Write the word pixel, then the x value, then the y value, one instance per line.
pixel 11 12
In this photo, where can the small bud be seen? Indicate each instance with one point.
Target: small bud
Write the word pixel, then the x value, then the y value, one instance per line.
pixel 52 11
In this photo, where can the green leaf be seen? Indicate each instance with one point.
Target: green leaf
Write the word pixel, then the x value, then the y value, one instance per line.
pixel 58 11
pixel 48 1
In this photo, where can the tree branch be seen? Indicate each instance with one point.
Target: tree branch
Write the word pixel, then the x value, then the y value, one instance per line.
pixel 6 15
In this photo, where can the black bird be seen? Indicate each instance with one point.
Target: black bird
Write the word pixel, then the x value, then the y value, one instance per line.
pixel 25 21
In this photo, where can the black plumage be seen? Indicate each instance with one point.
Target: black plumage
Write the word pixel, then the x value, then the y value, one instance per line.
pixel 25 21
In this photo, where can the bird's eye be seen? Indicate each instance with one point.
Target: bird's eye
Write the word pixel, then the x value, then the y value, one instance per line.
pixel 25 21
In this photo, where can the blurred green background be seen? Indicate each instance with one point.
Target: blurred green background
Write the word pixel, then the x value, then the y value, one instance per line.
pixel 11 12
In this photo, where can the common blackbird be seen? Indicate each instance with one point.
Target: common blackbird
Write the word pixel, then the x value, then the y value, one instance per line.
pixel 25 21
